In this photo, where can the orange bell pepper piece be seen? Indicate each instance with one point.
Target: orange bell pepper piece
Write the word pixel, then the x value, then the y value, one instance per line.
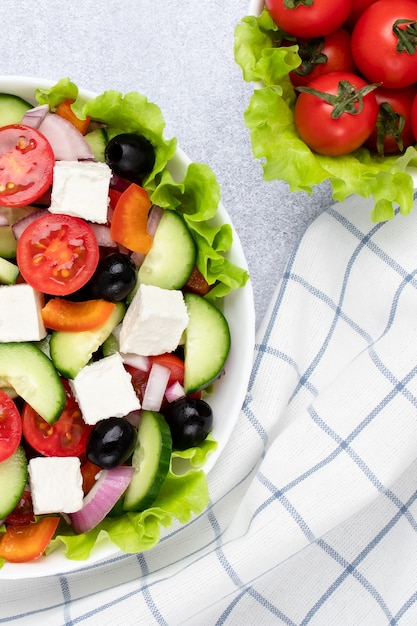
pixel 130 220
pixel 27 542
pixel 65 111
pixel 65 315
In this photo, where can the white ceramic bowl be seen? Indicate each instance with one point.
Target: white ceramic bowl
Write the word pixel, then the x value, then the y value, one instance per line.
pixel 230 390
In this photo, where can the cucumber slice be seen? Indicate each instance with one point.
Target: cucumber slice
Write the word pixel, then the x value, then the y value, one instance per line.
pixel 151 460
pixel 8 243
pixel 12 109
pixel 97 140
pixel 8 272
pixel 110 346
pixel 13 479
pixel 71 351
pixel 171 258
pixel 207 343
pixel 32 375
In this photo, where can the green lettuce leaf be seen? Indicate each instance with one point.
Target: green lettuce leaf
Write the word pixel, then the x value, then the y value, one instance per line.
pixel 275 141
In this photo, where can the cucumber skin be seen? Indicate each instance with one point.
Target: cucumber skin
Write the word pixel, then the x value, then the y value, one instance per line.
pixel 13 479
pixel 21 365
pixel 8 243
pixel 207 345
pixel 12 109
pixel 8 272
pixel 71 351
pixel 143 490
pixel 97 140
pixel 171 259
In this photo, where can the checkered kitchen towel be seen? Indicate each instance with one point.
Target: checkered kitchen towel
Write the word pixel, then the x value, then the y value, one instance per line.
pixel 313 516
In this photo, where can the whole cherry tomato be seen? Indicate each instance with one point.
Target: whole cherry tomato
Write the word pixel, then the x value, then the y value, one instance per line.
pixel 335 113
pixel 305 19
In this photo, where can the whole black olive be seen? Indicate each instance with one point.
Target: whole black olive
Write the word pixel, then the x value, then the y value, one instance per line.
pixel 114 277
pixel 111 442
pixel 190 421
pixel 130 156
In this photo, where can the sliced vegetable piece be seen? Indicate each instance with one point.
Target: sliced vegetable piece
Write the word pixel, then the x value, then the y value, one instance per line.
pixel 71 351
pixel 171 258
pixel 26 165
pixel 97 140
pixel 12 109
pixel 13 478
pixel 66 437
pixel 155 387
pixel 8 242
pixel 65 315
pixel 207 343
pixel 130 219
pixel 23 543
pixel 64 110
pixel 10 427
pixel 32 375
pixel 108 488
pixel 67 142
pixel 151 460
pixel 57 254
pixel 8 272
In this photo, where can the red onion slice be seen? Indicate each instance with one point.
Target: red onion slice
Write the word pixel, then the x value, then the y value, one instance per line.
pixel 34 117
pixel 3 220
pixel 67 142
pixel 136 360
pixel 19 226
pixel 154 219
pixel 155 387
pixel 110 486
pixel 174 392
pixel 103 236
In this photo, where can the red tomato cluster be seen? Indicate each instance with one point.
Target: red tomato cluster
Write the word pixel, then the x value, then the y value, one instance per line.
pixel 357 82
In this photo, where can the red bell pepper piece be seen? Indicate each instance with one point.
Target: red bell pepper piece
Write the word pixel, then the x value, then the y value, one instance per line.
pixel 65 315
pixel 27 542
pixel 64 110
pixel 130 220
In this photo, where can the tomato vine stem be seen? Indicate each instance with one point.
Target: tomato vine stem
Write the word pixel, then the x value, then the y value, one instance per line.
pixel 293 4
pixel 348 99
pixel 407 37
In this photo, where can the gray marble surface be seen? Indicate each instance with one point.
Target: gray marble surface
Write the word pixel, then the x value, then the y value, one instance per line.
pixel 180 55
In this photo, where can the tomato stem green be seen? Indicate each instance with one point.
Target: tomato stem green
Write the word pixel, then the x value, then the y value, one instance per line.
pixel 293 4
pixel 348 99
pixel 407 37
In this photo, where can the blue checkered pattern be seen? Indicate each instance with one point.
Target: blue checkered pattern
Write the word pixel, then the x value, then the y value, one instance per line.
pixel 313 513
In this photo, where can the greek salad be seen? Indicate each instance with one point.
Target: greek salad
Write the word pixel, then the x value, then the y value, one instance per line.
pixel 335 97
pixel 112 334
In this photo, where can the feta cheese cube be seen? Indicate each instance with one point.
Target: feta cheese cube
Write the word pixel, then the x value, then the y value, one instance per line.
pixel 104 389
pixel 20 313
pixel 56 484
pixel 154 321
pixel 81 189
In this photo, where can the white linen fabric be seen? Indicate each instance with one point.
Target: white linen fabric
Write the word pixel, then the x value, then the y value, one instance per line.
pixel 313 512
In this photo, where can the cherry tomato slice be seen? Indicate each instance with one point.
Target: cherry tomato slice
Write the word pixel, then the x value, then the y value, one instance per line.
pixel 57 254
pixel 66 437
pixel 27 542
pixel 26 165
pixel 10 426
